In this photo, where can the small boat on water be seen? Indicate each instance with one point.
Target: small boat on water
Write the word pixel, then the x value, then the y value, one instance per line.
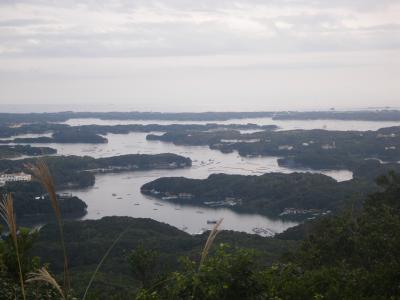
pixel 114 194
pixel 212 221
pixel 137 204
pixel 263 231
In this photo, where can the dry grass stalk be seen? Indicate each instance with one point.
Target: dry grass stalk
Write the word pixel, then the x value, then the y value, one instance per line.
pixel 101 263
pixel 7 214
pixel 43 275
pixel 210 241
pixel 42 173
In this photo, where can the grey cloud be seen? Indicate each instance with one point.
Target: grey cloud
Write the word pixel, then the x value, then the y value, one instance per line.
pixel 177 32
pixel 288 49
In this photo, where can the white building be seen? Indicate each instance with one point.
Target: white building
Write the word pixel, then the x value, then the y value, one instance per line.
pixel 4 178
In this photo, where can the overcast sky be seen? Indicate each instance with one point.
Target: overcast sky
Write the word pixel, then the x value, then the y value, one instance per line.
pixel 201 54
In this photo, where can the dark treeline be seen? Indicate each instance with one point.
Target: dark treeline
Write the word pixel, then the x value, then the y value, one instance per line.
pixel 367 115
pixel 62 129
pixel 66 134
pixel 13 118
pixel 15 151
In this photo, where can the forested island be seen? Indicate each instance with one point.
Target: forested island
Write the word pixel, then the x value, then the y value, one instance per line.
pixel 297 195
pixel 16 151
pixel 32 203
pixel 65 135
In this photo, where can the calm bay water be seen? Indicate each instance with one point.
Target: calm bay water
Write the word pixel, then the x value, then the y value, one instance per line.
pixel 130 202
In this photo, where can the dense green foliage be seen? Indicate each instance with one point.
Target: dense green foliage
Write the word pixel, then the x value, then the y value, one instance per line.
pixel 87 241
pixel 143 263
pixel 225 275
pixel 9 287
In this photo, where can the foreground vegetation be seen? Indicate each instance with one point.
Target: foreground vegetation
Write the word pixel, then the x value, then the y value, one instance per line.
pixel 351 255
pixel 88 240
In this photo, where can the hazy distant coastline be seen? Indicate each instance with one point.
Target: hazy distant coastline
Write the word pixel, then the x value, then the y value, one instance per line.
pixel 356 115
